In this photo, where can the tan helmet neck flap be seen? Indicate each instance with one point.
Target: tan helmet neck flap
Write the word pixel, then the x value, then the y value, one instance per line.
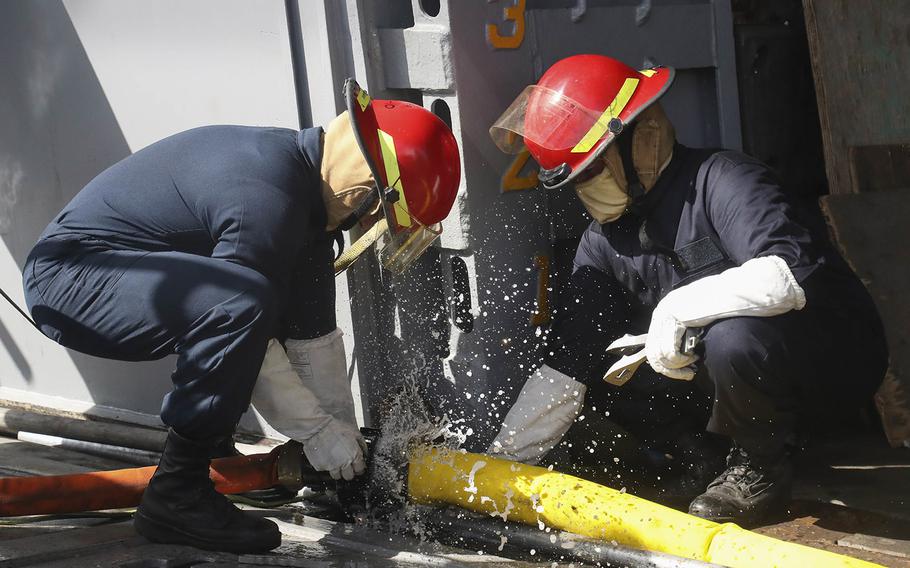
pixel 346 177
pixel 652 144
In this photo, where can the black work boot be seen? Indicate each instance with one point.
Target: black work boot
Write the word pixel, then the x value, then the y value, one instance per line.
pixel 180 505
pixel 750 489
pixel 698 458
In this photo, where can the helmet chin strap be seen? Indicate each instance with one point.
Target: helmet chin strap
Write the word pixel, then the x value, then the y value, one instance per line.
pixel 360 211
pixel 347 258
pixel 348 222
pixel 634 187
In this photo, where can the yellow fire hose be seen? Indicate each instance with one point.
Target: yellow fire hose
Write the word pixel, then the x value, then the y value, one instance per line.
pixel 537 496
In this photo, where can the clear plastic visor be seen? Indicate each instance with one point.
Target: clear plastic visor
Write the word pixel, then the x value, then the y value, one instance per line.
pixel 557 123
pixel 397 251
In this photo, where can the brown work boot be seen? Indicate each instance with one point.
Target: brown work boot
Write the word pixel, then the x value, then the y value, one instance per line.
pixel 181 506
pixel 752 488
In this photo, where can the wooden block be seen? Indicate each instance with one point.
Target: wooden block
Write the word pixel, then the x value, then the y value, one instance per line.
pixel 872 232
pixel 881 167
pixel 859 58
pixel 889 546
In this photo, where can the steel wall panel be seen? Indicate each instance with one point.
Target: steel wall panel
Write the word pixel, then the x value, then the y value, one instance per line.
pixel 157 68
pixel 86 83
pixel 475 374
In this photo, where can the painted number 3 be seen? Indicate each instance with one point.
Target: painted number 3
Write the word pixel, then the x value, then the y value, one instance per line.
pixel 515 14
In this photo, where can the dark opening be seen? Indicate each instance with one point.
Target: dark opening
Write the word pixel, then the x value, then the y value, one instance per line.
pixel 430 7
pixel 778 108
pixel 460 302
pixel 441 109
pixel 394 14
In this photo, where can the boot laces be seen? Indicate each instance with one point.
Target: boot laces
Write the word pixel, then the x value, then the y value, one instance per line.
pixel 742 472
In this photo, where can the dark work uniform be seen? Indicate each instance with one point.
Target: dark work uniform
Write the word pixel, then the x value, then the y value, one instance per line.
pixel 708 212
pixel 192 246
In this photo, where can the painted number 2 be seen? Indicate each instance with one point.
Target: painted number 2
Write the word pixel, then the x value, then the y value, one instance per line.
pixel 515 14
pixel 513 180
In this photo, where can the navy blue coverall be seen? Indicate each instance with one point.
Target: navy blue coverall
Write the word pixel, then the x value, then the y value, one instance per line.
pixel 709 211
pixel 192 246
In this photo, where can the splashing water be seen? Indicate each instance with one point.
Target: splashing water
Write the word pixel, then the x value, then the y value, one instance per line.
pixel 406 423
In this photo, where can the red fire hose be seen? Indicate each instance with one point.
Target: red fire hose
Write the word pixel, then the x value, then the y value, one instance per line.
pixel 99 490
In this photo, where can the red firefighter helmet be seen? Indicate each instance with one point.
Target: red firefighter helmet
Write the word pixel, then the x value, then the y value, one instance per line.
pixel 576 109
pixel 414 159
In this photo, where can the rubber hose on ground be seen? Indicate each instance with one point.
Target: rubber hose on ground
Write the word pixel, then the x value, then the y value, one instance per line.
pixel 537 496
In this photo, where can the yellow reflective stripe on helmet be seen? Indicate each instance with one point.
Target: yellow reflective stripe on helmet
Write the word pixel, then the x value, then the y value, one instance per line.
pixel 363 98
pixel 390 161
pixel 600 127
pixel 648 72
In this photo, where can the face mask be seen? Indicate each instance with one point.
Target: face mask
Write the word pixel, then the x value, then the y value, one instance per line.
pixel 604 195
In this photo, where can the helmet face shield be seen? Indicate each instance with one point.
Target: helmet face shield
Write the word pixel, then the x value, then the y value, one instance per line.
pixel 397 251
pixel 575 111
pixel 546 118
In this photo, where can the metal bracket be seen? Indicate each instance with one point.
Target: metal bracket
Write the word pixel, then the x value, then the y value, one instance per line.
pixel 541 315
pixel 290 465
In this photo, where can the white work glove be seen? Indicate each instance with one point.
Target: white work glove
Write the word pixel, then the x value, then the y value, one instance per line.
pixel 548 404
pixel 338 449
pixel 292 409
pixel 320 363
pixel 761 287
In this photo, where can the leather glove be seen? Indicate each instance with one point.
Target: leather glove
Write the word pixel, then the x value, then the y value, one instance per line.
pixel 320 363
pixel 338 449
pixel 662 348
pixel 761 287
pixel 291 408
pixel 543 412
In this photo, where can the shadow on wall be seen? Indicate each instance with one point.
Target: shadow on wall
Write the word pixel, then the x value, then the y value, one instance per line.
pixel 18 357
pixel 57 131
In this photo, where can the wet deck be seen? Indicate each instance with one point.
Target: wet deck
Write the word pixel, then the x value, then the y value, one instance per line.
pixel 855 486
pixel 111 541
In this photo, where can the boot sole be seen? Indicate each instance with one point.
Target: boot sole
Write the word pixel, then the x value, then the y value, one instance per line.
pixel 720 520
pixel 745 521
pixel 158 532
